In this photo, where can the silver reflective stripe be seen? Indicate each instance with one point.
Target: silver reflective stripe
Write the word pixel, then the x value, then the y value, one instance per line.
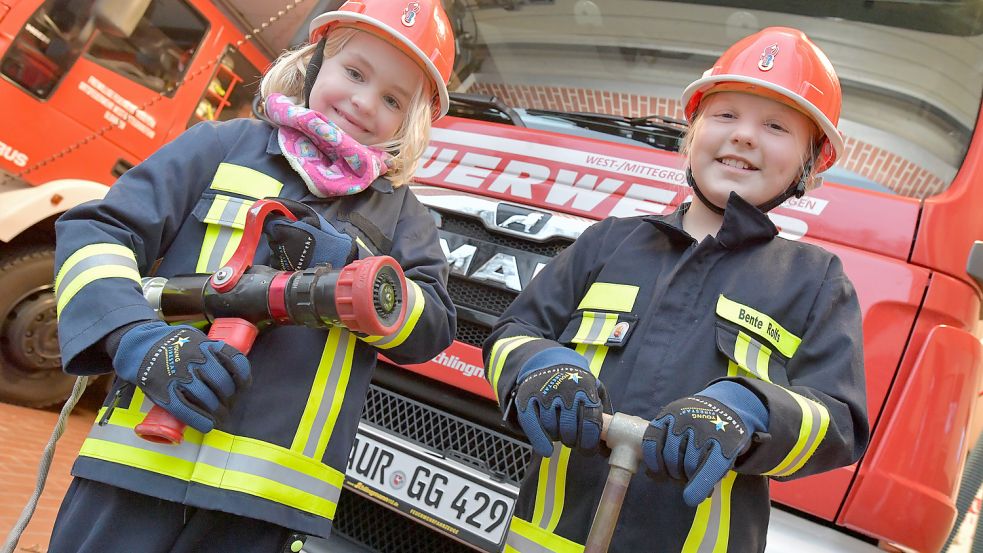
pixel 597 324
pixel 709 542
pixel 269 470
pixel 98 260
pixel 225 233
pixel 231 210
pixel 223 460
pixel 814 429
pixel 186 451
pixel 330 392
pixel 590 352
pixel 523 544
pixel 549 497
pixel 751 359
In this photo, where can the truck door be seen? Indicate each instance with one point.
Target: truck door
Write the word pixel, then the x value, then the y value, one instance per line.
pixel 70 73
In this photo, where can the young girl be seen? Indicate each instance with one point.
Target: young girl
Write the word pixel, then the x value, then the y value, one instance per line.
pixel 743 349
pixel 264 460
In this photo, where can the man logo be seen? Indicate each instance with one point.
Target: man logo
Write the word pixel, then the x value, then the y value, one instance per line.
pixel 527 221
pixel 521 219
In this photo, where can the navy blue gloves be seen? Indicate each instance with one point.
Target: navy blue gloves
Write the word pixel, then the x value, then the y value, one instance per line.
pixel 308 241
pixel 697 439
pixel 558 399
pixel 180 369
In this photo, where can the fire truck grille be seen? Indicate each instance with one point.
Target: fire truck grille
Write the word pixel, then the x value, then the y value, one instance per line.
pixel 383 530
pixel 386 531
pixel 503 457
pixel 473 228
pixel 472 333
pixel 465 293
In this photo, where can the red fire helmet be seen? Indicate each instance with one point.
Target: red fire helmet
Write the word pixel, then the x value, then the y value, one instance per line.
pixel 419 28
pixel 782 64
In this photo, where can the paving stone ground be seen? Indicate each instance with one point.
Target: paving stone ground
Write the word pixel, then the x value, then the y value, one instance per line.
pixel 23 435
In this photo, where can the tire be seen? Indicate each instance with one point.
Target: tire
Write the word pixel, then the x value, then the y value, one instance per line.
pixel 30 361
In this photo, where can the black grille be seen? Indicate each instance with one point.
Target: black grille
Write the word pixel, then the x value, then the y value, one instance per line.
pixel 472 333
pixel 386 531
pixel 465 442
pixel 473 228
pixel 467 293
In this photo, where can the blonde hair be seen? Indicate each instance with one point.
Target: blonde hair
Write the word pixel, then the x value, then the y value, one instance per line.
pixel 289 72
pixel 809 159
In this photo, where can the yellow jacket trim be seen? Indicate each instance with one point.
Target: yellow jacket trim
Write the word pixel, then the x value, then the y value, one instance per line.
pixel 416 302
pixel 243 180
pixel 760 324
pixel 526 537
pixel 221 460
pixel 92 263
pixel 499 352
pixel 815 422
pixel 609 296
pixel 752 356
pixel 710 532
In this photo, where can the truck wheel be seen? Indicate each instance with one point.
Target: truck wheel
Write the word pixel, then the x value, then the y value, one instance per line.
pixel 30 362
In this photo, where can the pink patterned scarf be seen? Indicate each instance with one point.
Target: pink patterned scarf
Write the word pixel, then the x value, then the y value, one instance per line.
pixel 330 162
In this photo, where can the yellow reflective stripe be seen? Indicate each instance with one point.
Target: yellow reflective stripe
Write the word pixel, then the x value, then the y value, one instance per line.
pixel 91 263
pixel 733 369
pixel 710 531
pixel 499 353
pixel 525 537
pixel 416 301
pixel 752 356
pixel 760 324
pixel 243 180
pixel 327 394
pixel 551 488
pixel 228 211
pixel 218 459
pixel 362 245
pixel 812 431
pixel 595 328
pixel 609 296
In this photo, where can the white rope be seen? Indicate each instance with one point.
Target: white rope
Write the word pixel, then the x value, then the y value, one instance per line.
pixel 46 457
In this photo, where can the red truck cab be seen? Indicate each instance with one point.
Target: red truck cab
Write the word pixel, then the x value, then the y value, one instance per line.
pixel 90 88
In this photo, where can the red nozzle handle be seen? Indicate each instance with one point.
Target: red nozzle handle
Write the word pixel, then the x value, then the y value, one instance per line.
pixel 161 427
pixel 225 278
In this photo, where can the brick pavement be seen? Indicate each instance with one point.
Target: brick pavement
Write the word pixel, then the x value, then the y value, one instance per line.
pixel 23 435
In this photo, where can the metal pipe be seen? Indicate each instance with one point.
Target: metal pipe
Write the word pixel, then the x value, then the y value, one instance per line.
pixel 623 434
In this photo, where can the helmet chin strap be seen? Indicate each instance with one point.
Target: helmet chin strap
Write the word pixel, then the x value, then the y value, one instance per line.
pixel 313 68
pixel 797 189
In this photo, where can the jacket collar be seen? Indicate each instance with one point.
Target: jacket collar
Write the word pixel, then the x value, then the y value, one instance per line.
pixel 381 184
pixel 743 224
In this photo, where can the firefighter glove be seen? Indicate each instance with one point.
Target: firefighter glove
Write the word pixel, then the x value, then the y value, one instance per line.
pixel 180 369
pixel 698 438
pixel 558 399
pixel 308 241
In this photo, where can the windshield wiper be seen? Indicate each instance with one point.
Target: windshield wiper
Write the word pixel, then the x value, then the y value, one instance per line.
pixel 483 107
pixel 662 132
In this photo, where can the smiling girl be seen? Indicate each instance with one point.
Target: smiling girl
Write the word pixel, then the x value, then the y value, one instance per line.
pixel 742 348
pixel 269 434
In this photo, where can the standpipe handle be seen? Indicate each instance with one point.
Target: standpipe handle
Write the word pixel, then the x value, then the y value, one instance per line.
pixel 623 434
pixel 161 427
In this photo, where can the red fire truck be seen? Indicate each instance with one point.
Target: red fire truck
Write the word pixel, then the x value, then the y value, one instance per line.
pixel 564 112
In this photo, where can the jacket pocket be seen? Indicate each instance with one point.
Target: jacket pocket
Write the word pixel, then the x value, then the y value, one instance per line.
pixel 748 356
pixel 599 328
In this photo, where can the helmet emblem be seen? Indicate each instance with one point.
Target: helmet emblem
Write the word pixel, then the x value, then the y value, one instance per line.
pixel 409 13
pixel 767 60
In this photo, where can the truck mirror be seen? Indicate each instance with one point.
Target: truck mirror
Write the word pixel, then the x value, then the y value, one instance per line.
pixel 119 17
pixel 974 266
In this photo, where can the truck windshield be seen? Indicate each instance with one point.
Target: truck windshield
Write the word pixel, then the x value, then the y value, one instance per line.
pixel 910 71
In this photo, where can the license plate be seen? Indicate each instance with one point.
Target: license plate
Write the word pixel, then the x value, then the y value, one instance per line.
pixel 445 495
